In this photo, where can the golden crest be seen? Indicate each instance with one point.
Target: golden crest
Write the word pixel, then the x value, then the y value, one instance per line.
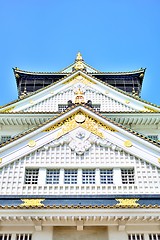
pixel 32 202
pixel 127 202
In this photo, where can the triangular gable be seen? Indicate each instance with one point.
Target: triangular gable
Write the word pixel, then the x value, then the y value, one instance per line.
pixel 79 77
pixel 84 118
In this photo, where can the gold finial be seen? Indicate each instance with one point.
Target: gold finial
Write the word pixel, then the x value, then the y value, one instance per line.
pixel 79 57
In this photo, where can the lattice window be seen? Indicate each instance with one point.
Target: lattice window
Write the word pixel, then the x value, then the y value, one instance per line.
pixel 106 176
pixel 31 176
pixel 154 236
pixel 127 176
pixel 52 176
pixel 153 137
pixel 23 236
pixel 70 176
pixel 62 107
pixel 97 107
pixel 5 138
pixel 88 176
pixel 5 236
pixel 135 237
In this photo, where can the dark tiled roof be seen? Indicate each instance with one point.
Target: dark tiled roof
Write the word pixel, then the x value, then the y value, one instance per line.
pixel 80 201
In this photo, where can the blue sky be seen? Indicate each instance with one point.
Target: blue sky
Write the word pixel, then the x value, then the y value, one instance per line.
pixel 112 35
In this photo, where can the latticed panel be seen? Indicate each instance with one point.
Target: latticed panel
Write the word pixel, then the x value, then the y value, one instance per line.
pixel 106 103
pixel 52 176
pixel 106 176
pixel 135 237
pixel 5 236
pixel 70 176
pixel 23 236
pixel 128 176
pixel 31 176
pixel 51 104
pixel 154 236
pixel 88 176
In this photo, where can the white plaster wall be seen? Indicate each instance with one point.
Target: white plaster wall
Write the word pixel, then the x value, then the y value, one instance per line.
pixel 88 233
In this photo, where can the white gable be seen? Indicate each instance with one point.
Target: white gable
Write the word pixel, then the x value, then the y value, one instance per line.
pixel 108 97
pixel 79 150
pixel 59 101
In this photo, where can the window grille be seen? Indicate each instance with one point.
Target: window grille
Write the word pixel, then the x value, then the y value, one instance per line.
pixel 154 236
pixel 31 176
pixel 106 176
pixel 5 138
pixel 135 237
pixel 5 236
pixel 97 107
pixel 52 176
pixel 127 176
pixel 70 176
pixel 88 176
pixel 62 107
pixel 24 237
pixel 153 137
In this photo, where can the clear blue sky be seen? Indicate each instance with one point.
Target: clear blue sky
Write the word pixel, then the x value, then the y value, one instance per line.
pixel 112 35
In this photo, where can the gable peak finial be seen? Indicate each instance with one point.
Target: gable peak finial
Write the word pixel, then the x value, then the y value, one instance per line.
pixel 79 57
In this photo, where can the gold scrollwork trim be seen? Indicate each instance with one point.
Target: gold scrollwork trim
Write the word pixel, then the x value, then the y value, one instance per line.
pixel 149 109
pixel 7 110
pixel 86 122
pixel 82 80
pixel 32 202
pixel 127 202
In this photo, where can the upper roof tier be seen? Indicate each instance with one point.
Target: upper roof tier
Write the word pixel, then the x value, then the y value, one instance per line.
pixel 130 82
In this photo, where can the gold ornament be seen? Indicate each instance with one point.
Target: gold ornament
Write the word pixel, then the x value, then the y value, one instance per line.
pixel 127 101
pixel 149 109
pixel 0 160
pixel 32 202
pixel 128 143
pixel 32 143
pixel 127 202
pixel 80 118
pixel 31 101
pixel 7 110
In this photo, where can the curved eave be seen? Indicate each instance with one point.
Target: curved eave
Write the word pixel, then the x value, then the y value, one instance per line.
pixel 142 70
pixel 16 70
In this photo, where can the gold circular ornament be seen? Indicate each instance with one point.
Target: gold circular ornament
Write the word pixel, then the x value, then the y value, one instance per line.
pixel 127 101
pixel 31 101
pixel 79 118
pixel 128 143
pixel 32 143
